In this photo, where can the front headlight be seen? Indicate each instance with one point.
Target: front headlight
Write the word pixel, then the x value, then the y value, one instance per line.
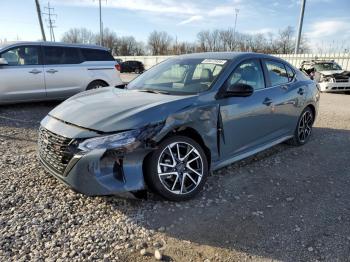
pixel 326 79
pixel 122 139
pixel 125 141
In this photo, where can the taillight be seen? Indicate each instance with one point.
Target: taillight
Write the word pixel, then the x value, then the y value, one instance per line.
pixel 117 66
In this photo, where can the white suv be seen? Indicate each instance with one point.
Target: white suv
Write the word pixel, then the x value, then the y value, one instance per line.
pixel 32 71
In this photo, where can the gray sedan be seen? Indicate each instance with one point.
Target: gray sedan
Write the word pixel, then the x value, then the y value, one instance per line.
pixel 170 126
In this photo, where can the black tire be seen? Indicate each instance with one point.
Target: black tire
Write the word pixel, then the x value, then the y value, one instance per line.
pixel 137 71
pixel 186 169
pixel 304 124
pixel 96 84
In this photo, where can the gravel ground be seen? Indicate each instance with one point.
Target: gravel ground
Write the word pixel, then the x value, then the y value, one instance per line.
pixel 284 204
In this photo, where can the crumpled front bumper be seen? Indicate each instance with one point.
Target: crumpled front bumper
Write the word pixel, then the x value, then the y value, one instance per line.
pixel 98 172
pixel 334 86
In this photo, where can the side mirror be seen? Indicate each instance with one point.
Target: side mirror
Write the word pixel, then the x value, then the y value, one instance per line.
pixel 239 90
pixel 3 61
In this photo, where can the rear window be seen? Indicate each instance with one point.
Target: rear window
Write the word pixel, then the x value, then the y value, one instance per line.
pixel 55 55
pixel 96 55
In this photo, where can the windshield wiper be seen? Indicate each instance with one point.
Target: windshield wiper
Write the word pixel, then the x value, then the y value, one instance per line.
pixel 154 91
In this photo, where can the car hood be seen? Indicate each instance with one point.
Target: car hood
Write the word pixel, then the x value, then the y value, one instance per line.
pixel 331 72
pixel 111 109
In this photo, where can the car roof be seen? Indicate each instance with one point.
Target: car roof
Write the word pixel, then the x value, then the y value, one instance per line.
pixel 47 43
pixel 230 55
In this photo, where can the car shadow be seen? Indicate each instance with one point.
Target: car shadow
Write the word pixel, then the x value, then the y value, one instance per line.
pixel 286 203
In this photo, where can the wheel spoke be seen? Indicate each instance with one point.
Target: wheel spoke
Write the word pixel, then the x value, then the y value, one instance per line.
pixel 167 165
pixel 190 177
pixel 193 159
pixel 182 184
pixel 176 179
pixel 186 156
pixel 194 171
pixel 168 174
pixel 178 151
pixel 172 155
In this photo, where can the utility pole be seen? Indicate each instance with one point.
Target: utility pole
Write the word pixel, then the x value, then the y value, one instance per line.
pixel 301 18
pixel 101 23
pixel 50 13
pixel 40 19
pixel 234 29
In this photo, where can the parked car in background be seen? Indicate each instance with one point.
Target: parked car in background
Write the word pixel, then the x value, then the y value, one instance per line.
pixel 118 60
pixel 33 71
pixel 177 121
pixel 330 76
pixel 132 67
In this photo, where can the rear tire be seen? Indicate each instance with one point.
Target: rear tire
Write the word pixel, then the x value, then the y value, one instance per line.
pixel 303 129
pixel 178 169
pixel 96 84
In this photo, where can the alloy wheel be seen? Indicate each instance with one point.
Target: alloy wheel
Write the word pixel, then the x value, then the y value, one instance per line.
pixel 305 126
pixel 180 168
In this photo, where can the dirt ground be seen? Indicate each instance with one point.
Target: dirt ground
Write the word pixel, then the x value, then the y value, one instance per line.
pixel 284 204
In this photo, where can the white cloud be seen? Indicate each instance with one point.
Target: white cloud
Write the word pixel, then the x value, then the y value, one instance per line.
pixel 328 28
pixel 329 34
pixel 161 6
pixel 191 19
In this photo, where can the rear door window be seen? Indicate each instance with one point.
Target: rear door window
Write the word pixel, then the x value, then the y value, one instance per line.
pixel 277 73
pixel 56 55
pixel 96 55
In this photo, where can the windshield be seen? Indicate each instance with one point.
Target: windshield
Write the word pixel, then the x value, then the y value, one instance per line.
pixel 327 67
pixel 180 76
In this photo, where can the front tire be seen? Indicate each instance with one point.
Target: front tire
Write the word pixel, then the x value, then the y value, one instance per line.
pixel 178 169
pixel 303 130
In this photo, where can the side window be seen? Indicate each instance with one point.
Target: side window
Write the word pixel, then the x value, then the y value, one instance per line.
pixel 277 73
pixel 250 73
pixel 24 55
pixel 290 73
pixel 54 55
pixel 96 55
pixel 71 56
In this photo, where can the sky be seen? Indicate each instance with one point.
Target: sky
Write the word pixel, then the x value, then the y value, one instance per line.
pixel 326 22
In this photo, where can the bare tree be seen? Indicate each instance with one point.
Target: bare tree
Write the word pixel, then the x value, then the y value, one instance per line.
pixel 159 43
pixel 109 40
pixel 285 40
pixel 79 35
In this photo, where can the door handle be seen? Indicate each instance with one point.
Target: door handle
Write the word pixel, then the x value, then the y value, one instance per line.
pixel 301 91
pixel 284 87
pixel 267 101
pixel 35 71
pixel 52 71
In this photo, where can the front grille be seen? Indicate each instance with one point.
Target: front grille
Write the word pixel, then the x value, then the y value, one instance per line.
pixel 342 80
pixel 55 150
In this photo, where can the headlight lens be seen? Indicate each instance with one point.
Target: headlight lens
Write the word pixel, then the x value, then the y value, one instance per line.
pixel 110 142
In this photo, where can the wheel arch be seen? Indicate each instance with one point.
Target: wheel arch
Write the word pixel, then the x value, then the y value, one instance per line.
pixel 181 131
pixel 97 80
pixel 313 109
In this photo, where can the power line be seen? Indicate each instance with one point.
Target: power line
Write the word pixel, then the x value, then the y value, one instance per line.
pixel 51 22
